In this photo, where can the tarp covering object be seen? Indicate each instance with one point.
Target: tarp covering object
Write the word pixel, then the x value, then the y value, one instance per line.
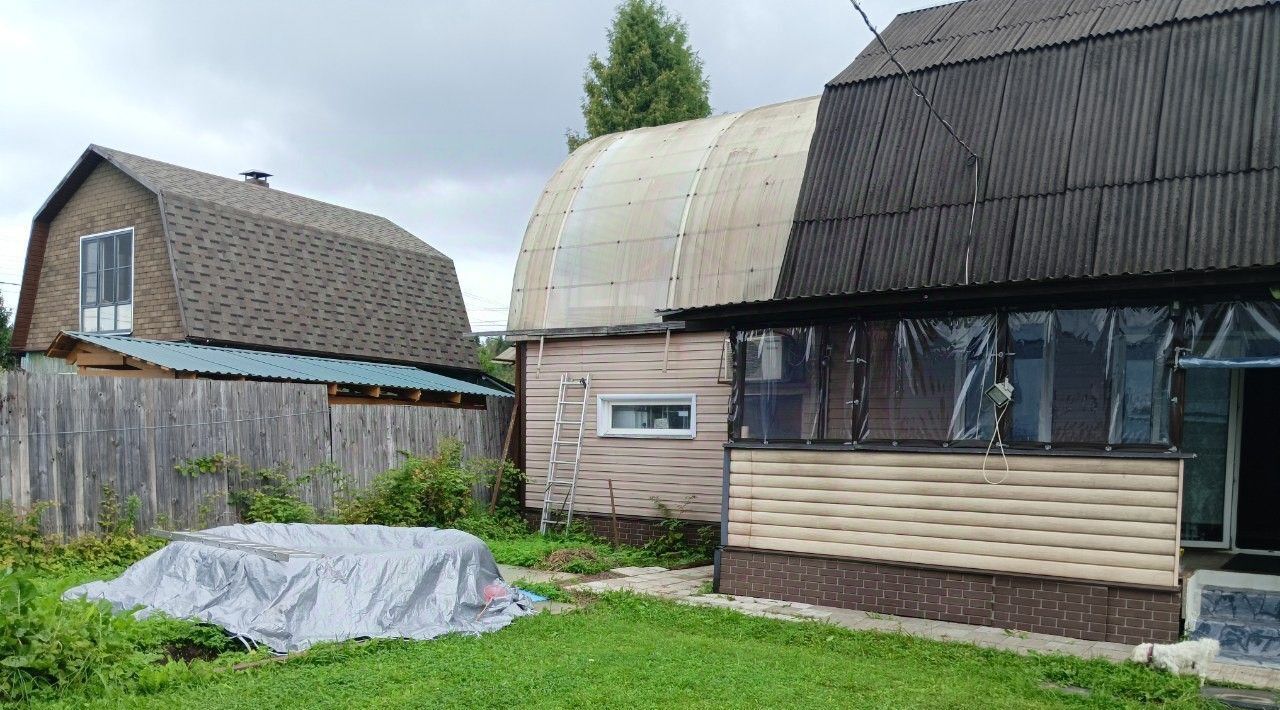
pixel 289 586
pixel 1233 334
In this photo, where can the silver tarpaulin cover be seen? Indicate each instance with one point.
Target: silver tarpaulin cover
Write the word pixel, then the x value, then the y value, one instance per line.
pixel 289 586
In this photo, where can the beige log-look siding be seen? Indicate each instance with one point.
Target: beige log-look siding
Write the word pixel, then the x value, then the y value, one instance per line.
pixel 680 472
pixel 1098 519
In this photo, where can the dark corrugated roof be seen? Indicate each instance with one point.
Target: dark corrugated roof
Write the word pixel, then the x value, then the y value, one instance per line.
pixel 1128 152
pixel 978 29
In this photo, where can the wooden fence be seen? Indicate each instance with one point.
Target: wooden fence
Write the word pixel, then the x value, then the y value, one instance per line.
pixel 63 438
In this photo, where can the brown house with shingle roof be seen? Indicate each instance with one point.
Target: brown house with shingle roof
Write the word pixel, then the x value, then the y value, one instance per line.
pixel 130 245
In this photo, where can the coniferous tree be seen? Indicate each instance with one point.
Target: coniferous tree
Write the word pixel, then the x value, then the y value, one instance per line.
pixel 652 75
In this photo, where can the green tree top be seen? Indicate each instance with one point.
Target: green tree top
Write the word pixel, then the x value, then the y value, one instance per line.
pixel 651 76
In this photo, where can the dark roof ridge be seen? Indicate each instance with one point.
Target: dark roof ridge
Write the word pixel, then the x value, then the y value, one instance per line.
pixel 874 51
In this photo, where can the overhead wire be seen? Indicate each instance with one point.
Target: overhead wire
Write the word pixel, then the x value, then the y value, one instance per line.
pixel 973 157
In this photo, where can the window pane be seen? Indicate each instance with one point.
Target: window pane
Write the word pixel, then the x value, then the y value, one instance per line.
pixel 124 317
pixel 1078 376
pixel 783 384
pixel 89 289
pixel 926 378
pixel 1028 370
pixel 843 368
pixel 650 416
pixel 124 249
pixel 1139 377
pixel 108 252
pixel 89 249
pixel 124 284
pixel 1205 434
pixel 108 285
pixel 89 320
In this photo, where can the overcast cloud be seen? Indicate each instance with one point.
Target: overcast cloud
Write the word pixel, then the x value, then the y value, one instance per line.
pixel 446 117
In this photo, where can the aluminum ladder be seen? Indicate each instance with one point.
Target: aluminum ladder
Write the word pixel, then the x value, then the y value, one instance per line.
pixel 566 454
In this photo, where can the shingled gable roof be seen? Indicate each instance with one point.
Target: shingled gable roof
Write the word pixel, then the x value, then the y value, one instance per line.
pixel 1117 138
pixel 259 267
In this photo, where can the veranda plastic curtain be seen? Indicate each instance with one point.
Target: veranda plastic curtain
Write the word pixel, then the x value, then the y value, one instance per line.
pixel 925 378
pixel 1233 334
pixel 1091 376
pixel 783 384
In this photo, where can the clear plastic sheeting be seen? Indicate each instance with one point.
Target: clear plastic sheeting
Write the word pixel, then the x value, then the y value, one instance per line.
pixel 1092 375
pixel 1234 334
pixel 783 384
pixel 926 377
pixel 289 586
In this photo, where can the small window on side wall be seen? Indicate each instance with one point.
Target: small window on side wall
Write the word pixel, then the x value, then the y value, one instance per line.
pixel 650 416
pixel 106 282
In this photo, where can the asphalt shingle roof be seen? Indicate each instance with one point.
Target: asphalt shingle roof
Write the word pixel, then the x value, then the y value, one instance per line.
pixel 257 266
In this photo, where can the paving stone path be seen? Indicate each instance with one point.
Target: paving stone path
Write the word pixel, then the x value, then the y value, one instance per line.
pixel 684 586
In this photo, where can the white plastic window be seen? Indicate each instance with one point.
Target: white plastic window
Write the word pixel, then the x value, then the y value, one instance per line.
pixel 661 416
pixel 106 282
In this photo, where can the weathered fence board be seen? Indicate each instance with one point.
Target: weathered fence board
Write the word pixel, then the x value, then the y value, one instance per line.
pixel 64 437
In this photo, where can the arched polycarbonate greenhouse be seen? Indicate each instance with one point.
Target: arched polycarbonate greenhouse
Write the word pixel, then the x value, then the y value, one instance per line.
pixel 687 214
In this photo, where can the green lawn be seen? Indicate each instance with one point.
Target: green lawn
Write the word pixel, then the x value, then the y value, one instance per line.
pixel 625 651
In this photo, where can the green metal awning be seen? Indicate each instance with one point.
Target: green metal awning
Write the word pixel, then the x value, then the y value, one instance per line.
pixel 253 364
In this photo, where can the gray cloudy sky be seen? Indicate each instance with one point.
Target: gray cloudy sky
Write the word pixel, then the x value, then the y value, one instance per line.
pixel 446 117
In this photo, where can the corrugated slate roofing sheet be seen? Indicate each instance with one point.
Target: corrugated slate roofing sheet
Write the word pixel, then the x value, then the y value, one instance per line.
pixel 978 29
pixel 1140 151
pixel 237 362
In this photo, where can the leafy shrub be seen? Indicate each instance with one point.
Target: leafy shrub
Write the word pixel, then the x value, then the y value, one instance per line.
pixel 265 495
pixel 272 496
pixel 22 545
pixel 53 644
pixel 421 492
pixel 20 538
pixel 674 540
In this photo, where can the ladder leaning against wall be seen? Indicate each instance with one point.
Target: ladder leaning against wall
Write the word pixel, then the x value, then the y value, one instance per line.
pixel 566 453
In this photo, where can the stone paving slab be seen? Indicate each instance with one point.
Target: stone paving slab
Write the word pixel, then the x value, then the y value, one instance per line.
pixel 683 586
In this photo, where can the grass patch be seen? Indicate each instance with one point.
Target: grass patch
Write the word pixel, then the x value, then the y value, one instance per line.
pixel 627 651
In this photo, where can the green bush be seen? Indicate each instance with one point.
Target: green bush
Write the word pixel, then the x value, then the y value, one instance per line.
pixel 22 545
pixel 421 492
pixel 20 538
pixel 265 495
pixel 48 643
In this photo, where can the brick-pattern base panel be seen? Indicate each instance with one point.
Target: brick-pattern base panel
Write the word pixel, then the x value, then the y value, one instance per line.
pixel 631 531
pixel 1093 612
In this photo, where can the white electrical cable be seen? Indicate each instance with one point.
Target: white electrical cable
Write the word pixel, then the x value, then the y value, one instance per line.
pixel 995 437
pixel 995 434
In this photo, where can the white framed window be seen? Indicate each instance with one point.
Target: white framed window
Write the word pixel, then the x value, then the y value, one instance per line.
pixel 657 416
pixel 106 282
